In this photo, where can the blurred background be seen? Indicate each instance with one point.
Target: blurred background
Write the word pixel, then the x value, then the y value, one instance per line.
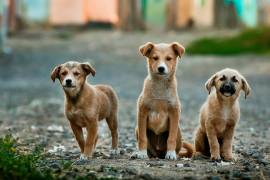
pixel 37 35
pixel 17 15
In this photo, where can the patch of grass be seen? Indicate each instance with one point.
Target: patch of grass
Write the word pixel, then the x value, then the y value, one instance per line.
pixel 16 165
pixel 251 41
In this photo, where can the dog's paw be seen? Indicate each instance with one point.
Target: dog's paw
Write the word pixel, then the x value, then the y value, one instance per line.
pixel 228 158
pixel 83 157
pixel 171 155
pixel 114 152
pixel 140 154
pixel 215 158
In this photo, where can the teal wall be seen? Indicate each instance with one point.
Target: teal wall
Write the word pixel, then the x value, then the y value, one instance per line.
pixel 154 12
pixel 35 10
pixel 246 11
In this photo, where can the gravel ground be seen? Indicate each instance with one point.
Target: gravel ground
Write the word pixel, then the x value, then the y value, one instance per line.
pixel 31 105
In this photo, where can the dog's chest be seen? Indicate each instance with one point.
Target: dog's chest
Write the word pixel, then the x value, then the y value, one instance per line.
pixel 76 116
pixel 158 117
pixel 158 121
pixel 224 120
pixel 226 113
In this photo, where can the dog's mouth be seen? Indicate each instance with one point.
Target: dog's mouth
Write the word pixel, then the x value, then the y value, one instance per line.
pixel 227 94
pixel 69 86
pixel 162 73
pixel 227 91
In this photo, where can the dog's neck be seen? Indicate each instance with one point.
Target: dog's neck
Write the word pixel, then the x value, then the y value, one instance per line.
pixel 225 101
pixel 161 87
pixel 76 97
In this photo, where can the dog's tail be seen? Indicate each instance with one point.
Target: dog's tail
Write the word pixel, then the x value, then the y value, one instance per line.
pixel 189 150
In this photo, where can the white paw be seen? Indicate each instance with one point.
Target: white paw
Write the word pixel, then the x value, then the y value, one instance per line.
pixel 170 155
pixel 140 154
pixel 114 152
pixel 83 157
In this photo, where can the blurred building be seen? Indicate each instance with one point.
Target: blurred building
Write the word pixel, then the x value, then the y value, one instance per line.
pixel 140 14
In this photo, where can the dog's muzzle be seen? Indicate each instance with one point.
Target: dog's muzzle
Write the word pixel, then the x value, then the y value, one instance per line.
pixel 68 83
pixel 227 89
pixel 162 69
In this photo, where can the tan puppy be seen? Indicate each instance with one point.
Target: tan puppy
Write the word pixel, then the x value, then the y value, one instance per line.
pixel 86 104
pixel 220 114
pixel 158 133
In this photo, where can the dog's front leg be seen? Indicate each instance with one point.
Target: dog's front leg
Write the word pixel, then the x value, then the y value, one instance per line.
pixel 141 133
pixel 226 148
pixel 77 131
pixel 213 142
pixel 92 130
pixel 174 116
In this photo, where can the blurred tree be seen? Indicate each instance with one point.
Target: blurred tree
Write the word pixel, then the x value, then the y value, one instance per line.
pixel 130 15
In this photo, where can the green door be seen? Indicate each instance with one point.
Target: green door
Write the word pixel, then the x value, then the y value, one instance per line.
pixel 154 13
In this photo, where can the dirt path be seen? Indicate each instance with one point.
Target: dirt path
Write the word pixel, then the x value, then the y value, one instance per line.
pixel 31 105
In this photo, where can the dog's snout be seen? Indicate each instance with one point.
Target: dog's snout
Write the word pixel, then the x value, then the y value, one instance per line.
pixel 68 81
pixel 161 69
pixel 227 87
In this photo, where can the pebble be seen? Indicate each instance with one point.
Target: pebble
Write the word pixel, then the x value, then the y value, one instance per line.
pixel 179 165
pixel 155 164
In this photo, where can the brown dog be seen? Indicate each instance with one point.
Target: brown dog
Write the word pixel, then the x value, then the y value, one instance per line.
pixel 86 105
pixel 220 114
pixel 158 133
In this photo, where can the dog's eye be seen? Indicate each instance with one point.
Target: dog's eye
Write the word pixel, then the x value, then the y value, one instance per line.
pixel 223 78
pixel 64 73
pixel 234 79
pixel 76 74
pixel 168 58
pixel 155 58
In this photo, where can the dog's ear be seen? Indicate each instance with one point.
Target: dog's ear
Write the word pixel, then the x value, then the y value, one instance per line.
pixel 146 49
pixel 88 68
pixel 178 49
pixel 245 87
pixel 210 83
pixel 55 73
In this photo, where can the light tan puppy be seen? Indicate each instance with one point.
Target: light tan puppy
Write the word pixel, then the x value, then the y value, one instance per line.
pixel 158 133
pixel 220 114
pixel 86 105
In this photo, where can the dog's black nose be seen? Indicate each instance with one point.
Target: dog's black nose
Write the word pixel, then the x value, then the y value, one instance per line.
pixel 227 87
pixel 68 81
pixel 161 69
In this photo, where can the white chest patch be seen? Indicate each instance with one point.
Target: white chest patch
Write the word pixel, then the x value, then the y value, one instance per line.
pixel 226 113
pixel 158 122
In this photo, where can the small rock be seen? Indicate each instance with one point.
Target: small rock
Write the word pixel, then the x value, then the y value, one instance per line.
pixel 122 151
pixel 131 171
pixel 155 164
pixel 55 128
pixel 179 165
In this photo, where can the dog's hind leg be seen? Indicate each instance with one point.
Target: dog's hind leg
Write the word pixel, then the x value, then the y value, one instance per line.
pixel 201 144
pixel 113 126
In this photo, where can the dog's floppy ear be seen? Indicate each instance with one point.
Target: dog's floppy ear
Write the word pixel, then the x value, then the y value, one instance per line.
pixel 210 83
pixel 146 49
pixel 178 49
pixel 55 73
pixel 88 68
pixel 245 87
